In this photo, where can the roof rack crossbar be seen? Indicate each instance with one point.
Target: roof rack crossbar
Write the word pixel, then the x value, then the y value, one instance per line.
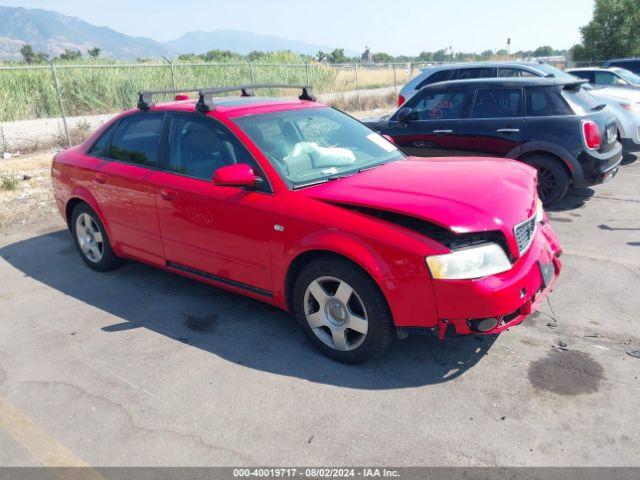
pixel 145 98
pixel 205 102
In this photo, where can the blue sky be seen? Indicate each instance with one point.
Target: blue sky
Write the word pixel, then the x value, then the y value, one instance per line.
pixel 394 26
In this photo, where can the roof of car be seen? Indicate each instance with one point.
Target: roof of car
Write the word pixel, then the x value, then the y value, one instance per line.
pixel 591 69
pixel 237 106
pixel 451 66
pixel 505 82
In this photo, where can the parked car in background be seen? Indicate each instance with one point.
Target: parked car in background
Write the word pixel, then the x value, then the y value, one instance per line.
pixel 468 71
pixel 298 205
pixel 615 76
pixel 551 124
pixel 631 64
pixel 624 103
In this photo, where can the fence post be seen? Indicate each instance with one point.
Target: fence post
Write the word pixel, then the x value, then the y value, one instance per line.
pixel 395 79
pixel 173 73
pixel 306 71
pixel 355 69
pixel 62 113
pixel 250 70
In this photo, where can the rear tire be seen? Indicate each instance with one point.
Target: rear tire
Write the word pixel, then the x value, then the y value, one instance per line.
pixel 553 179
pixel 342 310
pixel 91 240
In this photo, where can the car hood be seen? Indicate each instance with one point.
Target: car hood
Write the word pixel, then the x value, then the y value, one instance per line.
pixel 461 194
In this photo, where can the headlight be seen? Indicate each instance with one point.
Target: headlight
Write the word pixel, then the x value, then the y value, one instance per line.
pixel 539 211
pixel 475 262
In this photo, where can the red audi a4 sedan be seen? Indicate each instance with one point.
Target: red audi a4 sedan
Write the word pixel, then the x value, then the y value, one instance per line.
pixel 291 202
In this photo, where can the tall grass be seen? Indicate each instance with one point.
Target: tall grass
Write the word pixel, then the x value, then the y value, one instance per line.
pixel 107 86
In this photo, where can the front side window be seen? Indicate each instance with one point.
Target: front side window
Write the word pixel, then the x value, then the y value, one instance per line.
pixel 469 73
pixel 316 144
pixel 546 101
pixel 198 146
pixel 507 72
pixel 137 139
pixel 604 78
pixel 440 105
pixel 497 103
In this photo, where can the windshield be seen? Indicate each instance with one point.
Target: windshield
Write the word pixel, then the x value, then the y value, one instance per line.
pixel 550 70
pixel 628 76
pixel 314 145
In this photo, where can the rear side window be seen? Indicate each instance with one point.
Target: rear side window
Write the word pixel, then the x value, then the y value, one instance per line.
pixel 544 102
pixel 497 103
pixel 514 73
pixel 588 76
pixel 440 105
pixel 101 147
pixel 467 73
pixel 137 139
pixel 441 76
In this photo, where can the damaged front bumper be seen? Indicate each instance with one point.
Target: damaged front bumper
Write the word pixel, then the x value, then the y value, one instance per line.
pixel 496 303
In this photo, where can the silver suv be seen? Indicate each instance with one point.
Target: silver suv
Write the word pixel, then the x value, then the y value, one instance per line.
pixel 466 71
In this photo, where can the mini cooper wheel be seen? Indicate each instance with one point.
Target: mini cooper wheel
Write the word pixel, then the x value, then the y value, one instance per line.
pixel 553 180
pixel 91 239
pixel 343 312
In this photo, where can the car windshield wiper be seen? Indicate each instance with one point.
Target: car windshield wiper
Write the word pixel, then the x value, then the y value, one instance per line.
pixel 338 177
pixel 364 169
pixel 598 107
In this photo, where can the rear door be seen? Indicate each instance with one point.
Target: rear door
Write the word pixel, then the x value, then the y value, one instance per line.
pixel 124 185
pixel 434 129
pixel 494 123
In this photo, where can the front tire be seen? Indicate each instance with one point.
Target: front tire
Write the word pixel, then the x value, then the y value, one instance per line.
pixel 342 310
pixel 553 179
pixel 91 240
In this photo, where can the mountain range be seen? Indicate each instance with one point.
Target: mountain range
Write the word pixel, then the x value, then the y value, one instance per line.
pixel 52 32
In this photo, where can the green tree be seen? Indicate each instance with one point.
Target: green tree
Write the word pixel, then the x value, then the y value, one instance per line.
pixel 94 52
pixel 382 57
pixel 545 51
pixel 338 56
pixel 256 56
pixel 70 54
pixel 613 31
pixel 440 56
pixel 27 53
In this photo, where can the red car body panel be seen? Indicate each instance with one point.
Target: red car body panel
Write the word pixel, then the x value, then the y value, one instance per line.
pixel 229 237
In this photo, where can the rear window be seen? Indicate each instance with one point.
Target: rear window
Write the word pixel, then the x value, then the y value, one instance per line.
pixel 580 100
pixel 545 101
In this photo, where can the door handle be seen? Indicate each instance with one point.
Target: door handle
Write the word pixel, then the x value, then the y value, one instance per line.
pixel 100 178
pixel 167 194
pixel 443 131
pixel 508 130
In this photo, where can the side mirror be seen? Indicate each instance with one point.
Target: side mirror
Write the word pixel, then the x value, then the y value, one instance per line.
pixel 405 114
pixel 237 175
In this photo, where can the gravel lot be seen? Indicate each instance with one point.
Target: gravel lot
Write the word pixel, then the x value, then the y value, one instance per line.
pixel 142 367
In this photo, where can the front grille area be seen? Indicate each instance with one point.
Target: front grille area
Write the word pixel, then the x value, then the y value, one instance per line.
pixel 524 233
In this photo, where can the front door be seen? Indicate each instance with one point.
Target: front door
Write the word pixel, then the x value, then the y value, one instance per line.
pixel 433 131
pixel 221 233
pixel 494 124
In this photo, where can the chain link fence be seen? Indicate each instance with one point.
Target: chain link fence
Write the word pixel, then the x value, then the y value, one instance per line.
pixel 68 97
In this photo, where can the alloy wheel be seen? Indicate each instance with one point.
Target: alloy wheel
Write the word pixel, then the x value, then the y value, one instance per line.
pixel 89 237
pixel 336 313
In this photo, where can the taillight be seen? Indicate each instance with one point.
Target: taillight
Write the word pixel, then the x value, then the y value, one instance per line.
pixel 592 135
pixel 401 100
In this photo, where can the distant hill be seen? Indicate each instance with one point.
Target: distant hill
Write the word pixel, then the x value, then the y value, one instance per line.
pixel 237 41
pixel 51 32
